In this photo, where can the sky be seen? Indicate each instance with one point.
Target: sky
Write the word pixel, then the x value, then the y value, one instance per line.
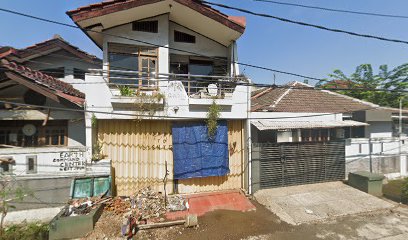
pixel 266 42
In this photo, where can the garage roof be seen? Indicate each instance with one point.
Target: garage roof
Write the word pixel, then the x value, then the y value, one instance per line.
pixel 281 125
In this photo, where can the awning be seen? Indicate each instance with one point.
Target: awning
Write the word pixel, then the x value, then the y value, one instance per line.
pixel 281 125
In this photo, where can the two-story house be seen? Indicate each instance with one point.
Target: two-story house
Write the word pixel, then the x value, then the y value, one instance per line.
pixel 167 64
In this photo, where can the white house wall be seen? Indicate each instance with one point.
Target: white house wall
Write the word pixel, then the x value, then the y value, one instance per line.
pixel 161 39
pixel 203 45
pixel 388 155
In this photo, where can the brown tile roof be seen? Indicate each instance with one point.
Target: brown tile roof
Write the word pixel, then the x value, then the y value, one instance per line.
pixel 55 42
pixel 111 6
pixel 56 87
pixel 299 97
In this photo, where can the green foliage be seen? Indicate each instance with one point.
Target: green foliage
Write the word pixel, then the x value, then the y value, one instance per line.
pixel 126 91
pixel 213 115
pixel 404 190
pixel 26 232
pixel 94 121
pixel 9 193
pixel 97 152
pixel 367 81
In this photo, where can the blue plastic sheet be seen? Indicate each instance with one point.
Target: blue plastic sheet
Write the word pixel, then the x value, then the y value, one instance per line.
pixel 197 155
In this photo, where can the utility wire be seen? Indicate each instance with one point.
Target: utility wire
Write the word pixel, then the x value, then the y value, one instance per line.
pixel 157 45
pixel 308 24
pixel 334 10
pixel 164 116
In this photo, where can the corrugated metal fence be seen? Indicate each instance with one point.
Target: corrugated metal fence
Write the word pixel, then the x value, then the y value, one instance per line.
pixel 286 164
pixel 140 149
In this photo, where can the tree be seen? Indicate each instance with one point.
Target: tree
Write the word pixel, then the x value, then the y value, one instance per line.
pixel 364 84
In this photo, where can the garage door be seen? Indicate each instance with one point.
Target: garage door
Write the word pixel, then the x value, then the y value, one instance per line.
pixel 287 164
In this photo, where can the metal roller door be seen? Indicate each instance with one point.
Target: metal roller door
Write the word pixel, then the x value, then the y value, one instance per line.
pixel 287 164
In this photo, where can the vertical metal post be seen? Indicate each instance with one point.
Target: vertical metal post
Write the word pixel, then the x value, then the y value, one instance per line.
pixel 400 118
pixel 370 148
pixel 188 84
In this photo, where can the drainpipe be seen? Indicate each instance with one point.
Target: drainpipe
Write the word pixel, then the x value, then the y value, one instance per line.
pixel 249 140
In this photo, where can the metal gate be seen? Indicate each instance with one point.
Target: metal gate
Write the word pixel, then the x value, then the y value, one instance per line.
pixel 287 164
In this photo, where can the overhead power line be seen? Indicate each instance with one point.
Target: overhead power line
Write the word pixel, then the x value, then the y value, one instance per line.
pixel 157 45
pixel 164 116
pixel 308 24
pixel 334 10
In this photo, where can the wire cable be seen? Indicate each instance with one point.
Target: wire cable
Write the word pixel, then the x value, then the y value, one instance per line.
pixel 157 45
pixel 334 10
pixel 286 20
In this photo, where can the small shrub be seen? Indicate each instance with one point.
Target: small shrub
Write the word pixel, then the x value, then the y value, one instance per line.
pixel 26 231
pixel 126 91
pixel 404 190
pixel 213 115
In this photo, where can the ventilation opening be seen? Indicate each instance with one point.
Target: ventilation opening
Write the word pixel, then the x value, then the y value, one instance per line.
pixel 146 26
pixel 184 37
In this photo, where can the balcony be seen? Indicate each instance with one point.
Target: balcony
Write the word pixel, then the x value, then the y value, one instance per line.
pixel 201 90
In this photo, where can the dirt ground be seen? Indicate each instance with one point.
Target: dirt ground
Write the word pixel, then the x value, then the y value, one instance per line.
pixel 262 225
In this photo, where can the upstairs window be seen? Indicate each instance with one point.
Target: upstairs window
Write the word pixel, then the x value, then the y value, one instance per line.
pixel 146 26
pixel 184 37
pixel 55 72
pixel 79 74
pixel 133 65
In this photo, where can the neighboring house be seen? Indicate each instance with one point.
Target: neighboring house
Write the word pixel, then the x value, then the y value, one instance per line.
pixel 44 147
pixel 55 57
pixel 298 135
pixel 164 64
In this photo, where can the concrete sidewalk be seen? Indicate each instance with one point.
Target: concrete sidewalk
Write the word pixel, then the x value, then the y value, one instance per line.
pixel 32 215
pixel 315 202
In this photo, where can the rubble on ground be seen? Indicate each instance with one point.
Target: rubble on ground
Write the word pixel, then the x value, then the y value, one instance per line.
pixel 83 206
pixel 146 204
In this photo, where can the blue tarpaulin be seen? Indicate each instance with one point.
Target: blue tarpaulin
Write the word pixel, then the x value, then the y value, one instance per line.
pixel 197 155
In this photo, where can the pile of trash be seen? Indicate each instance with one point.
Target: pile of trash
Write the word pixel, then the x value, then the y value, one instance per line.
pixel 83 206
pixel 146 204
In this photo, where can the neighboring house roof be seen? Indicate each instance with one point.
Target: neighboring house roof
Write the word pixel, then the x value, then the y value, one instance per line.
pixel 46 47
pixel 107 7
pixel 40 82
pixel 281 125
pixel 300 97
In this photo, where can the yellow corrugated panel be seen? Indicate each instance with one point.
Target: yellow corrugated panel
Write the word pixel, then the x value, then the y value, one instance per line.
pixel 139 150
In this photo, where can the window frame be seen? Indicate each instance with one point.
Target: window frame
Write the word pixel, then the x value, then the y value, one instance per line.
pixel 40 135
pixel 183 37
pixel 143 27
pixel 76 72
pixel 143 52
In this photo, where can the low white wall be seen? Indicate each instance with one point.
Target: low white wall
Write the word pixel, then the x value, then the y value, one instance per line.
pixel 388 156
pixel 54 162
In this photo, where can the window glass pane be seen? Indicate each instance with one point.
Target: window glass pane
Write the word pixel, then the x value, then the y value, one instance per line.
pixel 55 72
pixel 198 69
pixel 30 164
pixel 124 62
pixel 62 136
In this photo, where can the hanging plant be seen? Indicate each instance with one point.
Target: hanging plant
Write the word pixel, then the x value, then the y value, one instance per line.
pixel 94 121
pixel 213 115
